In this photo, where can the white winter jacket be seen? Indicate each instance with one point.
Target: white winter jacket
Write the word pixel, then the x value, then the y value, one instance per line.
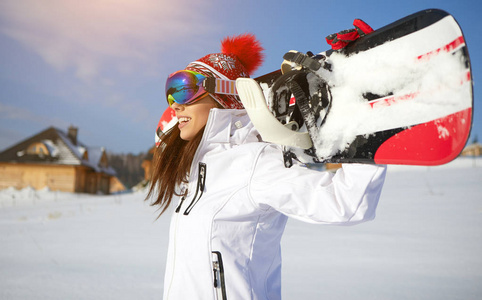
pixel 225 235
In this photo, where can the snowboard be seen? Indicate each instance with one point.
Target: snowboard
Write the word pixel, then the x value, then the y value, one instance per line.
pixel 399 95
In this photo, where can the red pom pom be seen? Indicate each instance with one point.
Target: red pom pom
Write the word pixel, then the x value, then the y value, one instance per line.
pixel 246 48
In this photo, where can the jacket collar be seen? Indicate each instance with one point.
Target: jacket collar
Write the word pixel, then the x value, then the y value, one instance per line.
pixel 229 126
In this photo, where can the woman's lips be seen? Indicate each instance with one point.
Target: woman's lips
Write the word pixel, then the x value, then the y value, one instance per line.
pixel 183 121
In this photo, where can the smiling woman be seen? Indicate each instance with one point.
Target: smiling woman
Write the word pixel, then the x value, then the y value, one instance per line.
pixel 232 191
pixel 240 56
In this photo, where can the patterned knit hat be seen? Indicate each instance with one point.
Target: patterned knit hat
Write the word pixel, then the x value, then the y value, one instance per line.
pixel 240 56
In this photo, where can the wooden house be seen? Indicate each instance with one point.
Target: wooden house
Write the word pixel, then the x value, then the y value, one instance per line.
pixel 57 160
pixel 474 149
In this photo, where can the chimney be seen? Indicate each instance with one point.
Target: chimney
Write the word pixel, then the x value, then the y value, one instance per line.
pixel 72 134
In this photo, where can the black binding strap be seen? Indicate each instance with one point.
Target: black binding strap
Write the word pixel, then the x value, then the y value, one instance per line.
pixel 303 102
pixel 303 60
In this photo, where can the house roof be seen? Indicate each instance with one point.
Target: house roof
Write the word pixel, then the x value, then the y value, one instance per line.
pixel 62 150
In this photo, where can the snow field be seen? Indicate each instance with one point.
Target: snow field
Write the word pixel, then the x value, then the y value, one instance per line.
pixel 81 247
pixel 425 243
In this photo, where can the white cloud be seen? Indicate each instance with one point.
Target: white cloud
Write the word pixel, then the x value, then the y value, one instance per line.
pixel 86 36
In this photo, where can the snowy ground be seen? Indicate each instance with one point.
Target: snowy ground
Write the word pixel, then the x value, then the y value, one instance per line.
pixel 426 243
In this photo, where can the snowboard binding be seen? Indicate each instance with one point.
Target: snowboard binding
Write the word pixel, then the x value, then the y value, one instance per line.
pixel 303 79
pixel 301 99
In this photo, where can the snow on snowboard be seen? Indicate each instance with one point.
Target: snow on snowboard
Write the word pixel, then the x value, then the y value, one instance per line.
pixel 401 94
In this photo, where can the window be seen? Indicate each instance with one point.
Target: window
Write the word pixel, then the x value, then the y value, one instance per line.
pixel 38 149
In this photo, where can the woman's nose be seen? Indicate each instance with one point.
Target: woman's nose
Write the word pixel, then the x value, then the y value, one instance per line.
pixel 177 106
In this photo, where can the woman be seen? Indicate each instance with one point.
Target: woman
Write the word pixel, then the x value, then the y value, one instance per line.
pixel 231 192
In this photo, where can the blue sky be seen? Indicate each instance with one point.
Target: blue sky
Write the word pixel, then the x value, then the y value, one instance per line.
pixel 102 65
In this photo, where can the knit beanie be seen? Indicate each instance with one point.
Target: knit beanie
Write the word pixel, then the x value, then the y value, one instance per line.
pixel 240 56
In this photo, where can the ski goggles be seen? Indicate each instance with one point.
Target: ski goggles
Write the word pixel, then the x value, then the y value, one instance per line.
pixel 185 87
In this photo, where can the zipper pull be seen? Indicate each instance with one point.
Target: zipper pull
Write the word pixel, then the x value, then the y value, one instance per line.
pixel 180 204
pixel 202 176
pixel 201 181
pixel 216 273
pixel 218 280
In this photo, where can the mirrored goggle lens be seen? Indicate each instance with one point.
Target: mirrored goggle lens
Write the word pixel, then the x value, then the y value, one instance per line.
pixel 183 87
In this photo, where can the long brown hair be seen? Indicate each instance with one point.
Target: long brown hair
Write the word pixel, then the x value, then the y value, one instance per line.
pixel 171 166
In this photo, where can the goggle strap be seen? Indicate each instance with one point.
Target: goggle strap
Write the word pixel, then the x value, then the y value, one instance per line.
pixel 220 86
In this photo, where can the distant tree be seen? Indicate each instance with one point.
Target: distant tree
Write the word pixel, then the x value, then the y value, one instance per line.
pixel 128 167
pixel 475 140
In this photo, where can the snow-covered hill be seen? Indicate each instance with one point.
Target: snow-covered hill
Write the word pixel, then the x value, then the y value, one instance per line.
pixel 425 243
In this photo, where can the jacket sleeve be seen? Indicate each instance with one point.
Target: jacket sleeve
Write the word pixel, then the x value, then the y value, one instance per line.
pixel 349 196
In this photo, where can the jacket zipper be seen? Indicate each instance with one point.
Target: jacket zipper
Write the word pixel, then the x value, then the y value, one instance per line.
pixel 196 155
pixel 218 276
pixel 201 181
